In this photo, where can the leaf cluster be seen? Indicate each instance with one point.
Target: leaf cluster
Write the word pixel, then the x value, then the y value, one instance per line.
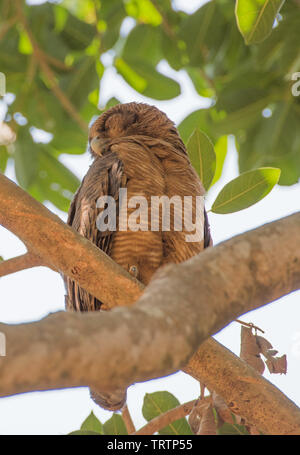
pixel 238 58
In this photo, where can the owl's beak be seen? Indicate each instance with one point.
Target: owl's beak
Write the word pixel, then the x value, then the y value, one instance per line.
pixel 98 145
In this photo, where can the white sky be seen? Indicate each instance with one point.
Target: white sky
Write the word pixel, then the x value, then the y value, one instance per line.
pixel 32 294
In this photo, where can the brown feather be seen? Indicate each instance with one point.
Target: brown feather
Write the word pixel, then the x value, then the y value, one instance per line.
pixel 139 149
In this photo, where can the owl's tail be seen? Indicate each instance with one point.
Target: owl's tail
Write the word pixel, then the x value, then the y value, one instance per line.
pixel 111 401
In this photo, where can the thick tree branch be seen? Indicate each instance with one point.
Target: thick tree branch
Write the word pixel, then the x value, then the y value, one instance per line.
pixel 25 261
pixel 183 303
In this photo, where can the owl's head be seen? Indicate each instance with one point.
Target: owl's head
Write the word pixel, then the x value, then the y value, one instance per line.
pixel 132 119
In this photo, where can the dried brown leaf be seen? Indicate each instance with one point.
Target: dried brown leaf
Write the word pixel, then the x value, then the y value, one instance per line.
pixel 195 417
pixel 277 365
pixel 250 351
pixel 222 409
pixel 207 424
pixel 263 344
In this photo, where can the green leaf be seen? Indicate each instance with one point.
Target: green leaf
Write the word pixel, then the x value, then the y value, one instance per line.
pixel 61 16
pixel 197 119
pixel 59 173
pixel 245 190
pixel 149 47
pixel 144 11
pixel 113 13
pixel 255 18
pixel 275 142
pixel 234 429
pixel 25 46
pixel 115 425
pixel 202 83
pixel 144 78
pixel 68 138
pixel 9 49
pixel 243 118
pixel 173 50
pixel 202 155
pixel 279 54
pixel 84 433
pixel 77 34
pixel 203 32
pixel 25 155
pixel 81 81
pixel 156 404
pixel 220 151
pixel 91 423
pixel 42 25
pixel 3 158
pixel 54 182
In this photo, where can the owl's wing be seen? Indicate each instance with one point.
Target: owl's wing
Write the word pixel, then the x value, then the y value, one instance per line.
pixel 104 178
pixel 208 241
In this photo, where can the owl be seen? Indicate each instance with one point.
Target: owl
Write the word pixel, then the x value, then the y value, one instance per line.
pixel 141 202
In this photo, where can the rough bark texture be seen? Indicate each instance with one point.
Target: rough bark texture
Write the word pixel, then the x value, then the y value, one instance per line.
pixel 180 309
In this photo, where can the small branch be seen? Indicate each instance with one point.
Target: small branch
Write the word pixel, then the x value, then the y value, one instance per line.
pixel 249 324
pixel 26 261
pixel 166 26
pixel 55 62
pixel 128 420
pixel 39 54
pixel 6 26
pixel 165 419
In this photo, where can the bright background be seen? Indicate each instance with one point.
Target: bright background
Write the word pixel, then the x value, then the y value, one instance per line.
pixel 32 294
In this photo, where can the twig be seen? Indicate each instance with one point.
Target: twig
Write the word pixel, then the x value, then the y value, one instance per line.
pixel 165 419
pixel 39 54
pixel 249 324
pixel 25 261
pixel 55 62
pixel 168 29
pixel 6 26
pixel 128 420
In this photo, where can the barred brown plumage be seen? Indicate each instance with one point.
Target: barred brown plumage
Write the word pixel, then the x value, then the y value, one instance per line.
pixel 135 147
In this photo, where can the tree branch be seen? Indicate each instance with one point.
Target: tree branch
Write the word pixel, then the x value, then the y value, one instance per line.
pixel 166 418
pixel 25 261
pixel 128 420
pixel 182 303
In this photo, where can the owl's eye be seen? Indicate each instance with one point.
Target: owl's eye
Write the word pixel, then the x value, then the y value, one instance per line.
pixel 133 270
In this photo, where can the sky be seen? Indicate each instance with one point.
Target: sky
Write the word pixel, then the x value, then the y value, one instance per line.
pixel 32 294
